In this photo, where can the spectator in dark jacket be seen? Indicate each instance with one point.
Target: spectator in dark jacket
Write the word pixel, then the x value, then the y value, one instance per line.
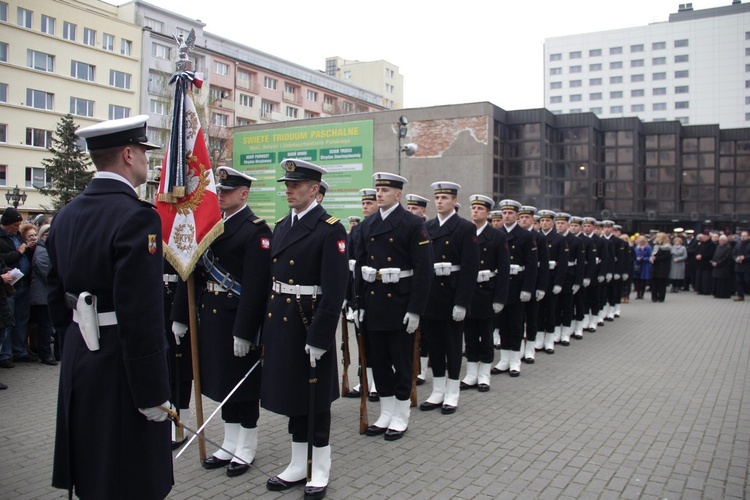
pixel 741 257
pixel 38 299
pixel 722 269
pixel 661 258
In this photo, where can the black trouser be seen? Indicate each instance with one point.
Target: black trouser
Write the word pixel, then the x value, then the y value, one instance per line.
pixel 742 279
pixel 321 428
pixel 390 354
pixel 592 297
pixel 547 312
pixel 478 337
pixel 444 342
pixel 565 308
pixel 659 289
pixel 245 413
pixel 529 315
pixel 640 286
pixel 579 303
pixel 511 326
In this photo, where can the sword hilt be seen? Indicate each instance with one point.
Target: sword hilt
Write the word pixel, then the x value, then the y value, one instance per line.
pixel 172 415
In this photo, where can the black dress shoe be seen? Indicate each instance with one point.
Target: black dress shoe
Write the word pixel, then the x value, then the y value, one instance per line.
pixel 6 363
pixel 315 492
pixel 549 351
pixel 420 381
pixel 496 371
pixel 483 388
pixel 214 463
pixel 565 342
pixel 391 435
pixel 427 406
pixel 28 358
pixel 49 361
pixel 578 337
pixel 277 484
pixel 373 397
pixel 448 410
pixel 609 319
pixel 177 444
pixel 353 393
pixel 528 361
pixel 600 323
pixel 236 469
pixel 514 373
pixel 497 347
pixel 466 387
pixel 374 430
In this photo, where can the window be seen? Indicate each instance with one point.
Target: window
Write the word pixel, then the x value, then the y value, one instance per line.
pixel 636 48
pixel 116 112
pixel 595 96
pixel 682 105
pixel 48 25
pixel 3 133
pixel 575 83
pixel 636 108
pixel 637 78
pixel 108 42
pixel 636 63
pixel 241 122
pixel 595 67
pixel 266 108
pixel 312 96
pixel 595 81
pixel 25 17
pixel 389 73
pixel 575 97
pixel 82 71
pixel 682 58
pixel 615 79
pixel 81 107
pixel 290 89
pixel 616 94
pixel 555 85
pixel 3 11
pixel 310 114
pixel 660 91
pixel 39 99
pixel 221 68
pixel 244 78
pixel 119 79
pixel 38 138
pixel 3 52
pixel 291 112
pixel 164 52
pixel 69 31
pixel 219 119
pixel 89 37
pixel 681 43
pixel 555 57
pixel 36 177
pixel 659 106
pixel 575 55
pixel 555 71
pixel 158 107
pixel 555 99
pixel 575 69
pixel 660 76
pixel 658 45
pixel 615 50
pixel 615 109
pixel 3 92
pixel 637 93
pixel 682 89
pixel 217 93
pixel 246 100
pixel 597 111
pixel 658 61
pixel 155 25
pixel 615 65
pixel 682 73
pixel 40 61
pixel 126 47
pixel 270 83
pixel 595 52
pixel 390 89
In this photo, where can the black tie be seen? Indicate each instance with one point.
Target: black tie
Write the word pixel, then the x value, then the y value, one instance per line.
pixel 294 219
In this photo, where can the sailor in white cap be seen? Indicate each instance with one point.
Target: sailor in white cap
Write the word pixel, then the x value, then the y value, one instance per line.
pixel 575 268
pixel 557 253
pixel 322 191
pixel 617 264
pixel 691 244
pixel 454 246
pixel 594 297
pixel 417 205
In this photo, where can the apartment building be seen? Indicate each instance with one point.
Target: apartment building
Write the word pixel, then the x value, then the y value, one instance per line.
pixel 56 58
pixel 379 76
pixel 694 68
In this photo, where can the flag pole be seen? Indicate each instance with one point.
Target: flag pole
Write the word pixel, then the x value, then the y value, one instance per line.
pixel 193 315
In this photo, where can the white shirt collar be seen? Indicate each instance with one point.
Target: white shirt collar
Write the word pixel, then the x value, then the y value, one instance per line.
pixel 480 229
pixel 441 221
pixel 510 228
pixel 102 174
pixel 386 213
pixel 305 211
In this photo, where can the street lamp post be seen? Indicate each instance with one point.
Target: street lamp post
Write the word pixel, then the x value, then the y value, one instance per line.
pixel 402 123
pixel 15 196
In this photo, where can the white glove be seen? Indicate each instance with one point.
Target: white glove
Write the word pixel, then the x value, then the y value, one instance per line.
pixel 525 296
pixel 156 414
pixel 315 353
pixel 179 330
pixel 459 313
pixel 540 295
pixel 586 282
pixel 617 276
pixel 359 315
pixel 625 276
pixel 241 347
pixel 600 279
pixel 556 289
pixel 350 314
pixel 497 307
pixel 411 321
pixel 609 277
pixel 576 288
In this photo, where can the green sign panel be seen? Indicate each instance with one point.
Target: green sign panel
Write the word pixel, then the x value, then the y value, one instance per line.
pixel 344 149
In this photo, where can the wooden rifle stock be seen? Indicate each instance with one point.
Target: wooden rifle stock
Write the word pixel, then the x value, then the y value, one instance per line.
pixel 415 367
pixel 363 389
pixel 346 355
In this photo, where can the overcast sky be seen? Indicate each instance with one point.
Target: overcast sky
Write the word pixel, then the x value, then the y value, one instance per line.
pixel 449 52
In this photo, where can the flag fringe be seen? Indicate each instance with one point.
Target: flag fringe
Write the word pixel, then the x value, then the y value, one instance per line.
pixel 184 270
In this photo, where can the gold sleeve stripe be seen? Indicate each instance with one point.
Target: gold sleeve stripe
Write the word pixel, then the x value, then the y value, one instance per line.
pixel 425 242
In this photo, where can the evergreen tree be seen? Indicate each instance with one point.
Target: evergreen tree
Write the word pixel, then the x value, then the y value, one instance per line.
pixel 69 169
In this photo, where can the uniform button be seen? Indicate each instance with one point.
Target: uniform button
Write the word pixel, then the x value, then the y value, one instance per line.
pixel 288 300
pixel 484 249
pixel 372 257
pixel 481 262
pixel 274 260
pixel 269 315
pixel 372 292
pixel 512 246
pixel 389 295
pixel 388 259
pixel 442 256
pixel 372 239
pixel 214 311
pixel 230 295
pixel 272 296
pixel 285 320
pixel 447 242
pixel 291 282
pixel 291 262
pixel 390 239
pixel 216 293
pixel 511 257
pixel 203 306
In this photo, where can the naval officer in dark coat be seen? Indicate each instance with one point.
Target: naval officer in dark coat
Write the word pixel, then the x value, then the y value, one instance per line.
pixel 309 275
pixel 231 289
pixel 112 439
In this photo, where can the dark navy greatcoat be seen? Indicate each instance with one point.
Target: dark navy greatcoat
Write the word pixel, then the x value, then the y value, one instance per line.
pixel 244 251
pixel 312 252
pixel 522 251
pixel 455 242
pixel 400 241
pixel 109 243
pixel 493 256
pixel 576 253
pixel 557 248
pixel 590 255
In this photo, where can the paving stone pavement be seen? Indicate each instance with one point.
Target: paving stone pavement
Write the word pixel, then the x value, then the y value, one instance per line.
pixel 653 405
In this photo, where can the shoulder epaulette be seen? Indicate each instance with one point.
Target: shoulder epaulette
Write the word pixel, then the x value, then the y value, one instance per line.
pixel 279 221
pixel 259 221
pixel 332 220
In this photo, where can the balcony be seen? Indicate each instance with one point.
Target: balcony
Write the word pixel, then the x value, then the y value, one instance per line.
pixel 328 108
pixel 224 104
pixel 248 85
pixel 292 97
